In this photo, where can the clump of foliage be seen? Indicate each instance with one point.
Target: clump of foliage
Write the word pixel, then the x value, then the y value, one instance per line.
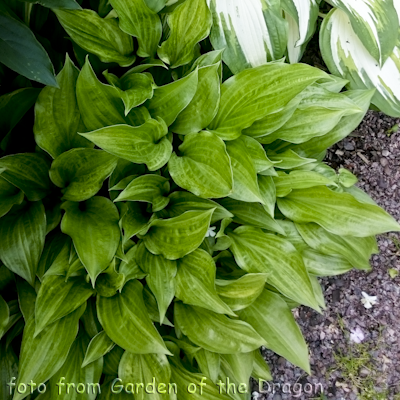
pixel 167 217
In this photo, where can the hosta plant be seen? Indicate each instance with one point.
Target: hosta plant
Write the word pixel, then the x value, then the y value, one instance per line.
pixel 168 214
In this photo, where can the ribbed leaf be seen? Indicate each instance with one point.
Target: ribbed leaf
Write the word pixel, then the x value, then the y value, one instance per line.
pixel 72 372
pixel 338 213
pixel 216 332
pixel 260 367
pixel 289 159
pixel 57 117
pixel 268 193
pixel 209 363
pixel 125 320
pixel 203 166
pixel 4 315
pixel 238 366
pixel 42 356
pixel 195 282
pixel 254 93
pixel 28 172
pixel 137 19
pixel 98 347
pixel 256 251
pixel 251 32
pixel 8 369
pixel 93 227
pixel 169 100
pixel 149 189
pixel 319 264
pixel 160 277
pixel 133 218
pixel 81 172
pixel 100 36
pixel 176 237
pixel 189 23
pixel 57 298
pixel 22 236
pixel 272 319
pixel 9 195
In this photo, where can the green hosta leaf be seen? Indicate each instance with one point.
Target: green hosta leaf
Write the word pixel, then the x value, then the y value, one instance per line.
pixel 133 88
pixel 112 360
pixel 42 356
pixel 28 172
pixel 146 144
pixel 4 315
pixel 245 185
pixel 346 178
pixel 252 32
pixel 204 105
pixel 149 189
pixel 375 24
pixel 216 332
pixel 146 368
pixel 133 219
pixel 189 23
pixel 112 384
pixel 9 195
pixel 152 307
pixel 345 53
pixel 170 100
pixel 93 227
pixel 180 202
pixel 195 282
pixel 289 159
pixel 256 251
pixel 357 251
pixel 8 369
pixel 301 16
pixel 22 236
pixel 89 318
pixel 100 105
pixel 156 5
pixel 285 183
pixel 26 298
pixel 338 213
pixel 110 281
pixel 241 293
pixel 98 347
pixel 100 36
pixel 268 193
pixel 319 264
pixel 125 320
pixel 20 51
pixel 254 93
pixel 203 166
pixel 72 373
pixel 251 214
pixel 58 298
pixel 57 117
pixel 257 153
pixel 176 237
pixel 238 366
pixel 273 320
pixel 260 367
pixel 209 363
pixel 137 19
pixel 81 172
pixel 160 277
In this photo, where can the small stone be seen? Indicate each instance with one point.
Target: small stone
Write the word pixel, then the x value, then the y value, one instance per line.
pixel 364 372
pixel 384 161
pixel 385 153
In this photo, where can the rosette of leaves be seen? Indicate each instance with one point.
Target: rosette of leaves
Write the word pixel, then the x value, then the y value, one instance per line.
pixel 170 215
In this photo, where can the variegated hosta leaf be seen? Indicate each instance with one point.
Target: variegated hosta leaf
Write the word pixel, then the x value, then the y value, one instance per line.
pixel 146 144
pixel 42 356
pixel 57 116
pixel 259 252
pixel 137 19
pixel 319 264
pixel 160 277
pixel 98 347
pixel 189 23
pixel 93 227
pixel 345 55
pixel 375 23
pixel 216 332
pixel 203 166
pixel 125 319
pixel 72 372
pixel 254 93
pixel 238 366
pixel 100 36
pixel 356 250
pixel 81 172
pixel 209 363
pixel 149 189
pixel 272 319
pixel 22 237
pixel 338 213
pixel 195 282
pixel 176 237
pixel 301 16
pixel 252 32
pixel 145 368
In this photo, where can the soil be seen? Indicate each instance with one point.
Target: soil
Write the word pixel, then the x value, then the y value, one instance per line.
pixel 372 153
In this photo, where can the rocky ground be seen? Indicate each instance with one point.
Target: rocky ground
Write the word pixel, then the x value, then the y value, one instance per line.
pixel 345 369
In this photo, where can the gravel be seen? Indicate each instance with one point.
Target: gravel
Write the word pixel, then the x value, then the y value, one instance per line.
pixel 373 155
